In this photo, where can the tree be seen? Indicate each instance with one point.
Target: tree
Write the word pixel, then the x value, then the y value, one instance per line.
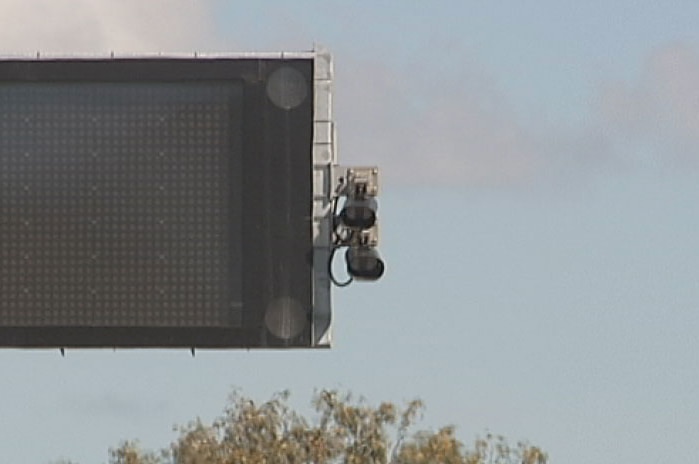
pixel 345 431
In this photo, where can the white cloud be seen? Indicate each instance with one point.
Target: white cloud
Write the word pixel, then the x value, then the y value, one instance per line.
pixel 659 112
pixel 424 128
pixel 93 26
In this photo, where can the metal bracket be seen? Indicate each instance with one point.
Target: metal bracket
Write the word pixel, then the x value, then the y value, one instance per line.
pixel 356 181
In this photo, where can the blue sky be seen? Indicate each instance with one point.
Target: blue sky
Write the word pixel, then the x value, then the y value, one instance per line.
pixel 538 215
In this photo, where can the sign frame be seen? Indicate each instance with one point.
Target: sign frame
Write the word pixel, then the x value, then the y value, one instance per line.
pixel 266 198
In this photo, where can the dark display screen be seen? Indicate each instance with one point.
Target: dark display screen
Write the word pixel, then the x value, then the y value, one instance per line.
pixel 154 203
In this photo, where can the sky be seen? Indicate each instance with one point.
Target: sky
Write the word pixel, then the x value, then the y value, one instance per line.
pixel 539 218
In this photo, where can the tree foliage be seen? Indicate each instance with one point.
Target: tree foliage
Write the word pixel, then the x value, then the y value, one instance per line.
pixel 343 431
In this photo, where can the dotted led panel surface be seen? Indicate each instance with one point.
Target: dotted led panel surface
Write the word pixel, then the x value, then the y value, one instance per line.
pixel 120 204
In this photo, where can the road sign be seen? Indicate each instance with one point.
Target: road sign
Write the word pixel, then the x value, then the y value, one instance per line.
pixel 165 201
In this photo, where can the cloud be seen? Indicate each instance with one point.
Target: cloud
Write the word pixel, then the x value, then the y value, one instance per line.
pixel 92 26
pixel 658 113
pixel 456 128
pixel 424 128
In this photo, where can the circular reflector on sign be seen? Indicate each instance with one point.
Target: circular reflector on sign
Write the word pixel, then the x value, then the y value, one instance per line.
pixel 286 87
pixel 285 318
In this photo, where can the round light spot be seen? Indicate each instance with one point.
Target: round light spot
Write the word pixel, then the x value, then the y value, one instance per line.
pixel 286 87
pixel 285 318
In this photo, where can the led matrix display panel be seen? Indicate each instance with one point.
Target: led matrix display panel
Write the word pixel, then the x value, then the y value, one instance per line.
pixel 155 203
